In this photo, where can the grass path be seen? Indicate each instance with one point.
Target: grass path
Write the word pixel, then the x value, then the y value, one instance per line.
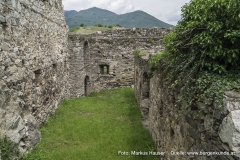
pixel 95 128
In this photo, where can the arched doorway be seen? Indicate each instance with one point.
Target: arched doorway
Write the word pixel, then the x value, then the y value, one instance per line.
pixel 86 85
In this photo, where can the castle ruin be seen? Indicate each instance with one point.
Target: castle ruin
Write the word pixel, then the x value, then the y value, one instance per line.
pixel 41 64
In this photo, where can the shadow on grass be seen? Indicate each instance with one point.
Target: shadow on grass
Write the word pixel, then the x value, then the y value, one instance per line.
pixel 145 144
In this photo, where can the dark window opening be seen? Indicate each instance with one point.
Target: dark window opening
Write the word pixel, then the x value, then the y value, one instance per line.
pixel 171 132
pixel 146 78
pixel 85 44
pixel 37 72
pixel 104 69
pixel 37 75
pixel 145 86
pixel 5 68
pixel 54 66
pixel 4 26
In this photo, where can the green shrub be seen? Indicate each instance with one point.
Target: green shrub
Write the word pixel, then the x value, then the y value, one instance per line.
pixel 99 25
pixel 203 51
pixel 209 33
pixel 82 25
pixel 118 25
pixel 8 149
pixel 156 58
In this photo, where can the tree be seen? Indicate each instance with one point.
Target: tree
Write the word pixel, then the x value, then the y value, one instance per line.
pixel 118 25
pixel 82 25
pixel 99 25
pixel 207 36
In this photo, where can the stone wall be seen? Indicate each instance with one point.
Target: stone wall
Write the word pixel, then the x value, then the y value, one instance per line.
pixel 33 66
pixel 216 130
pixel 105 60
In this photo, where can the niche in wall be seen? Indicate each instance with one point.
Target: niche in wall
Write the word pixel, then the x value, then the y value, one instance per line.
pixel 87 85
pixel 37 75
pixel 54 66
pixel 85 52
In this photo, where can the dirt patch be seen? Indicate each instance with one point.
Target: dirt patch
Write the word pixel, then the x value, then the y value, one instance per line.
pixel 83 113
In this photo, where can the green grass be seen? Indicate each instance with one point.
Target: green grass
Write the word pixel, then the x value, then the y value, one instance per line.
pixel 91 29
pixel 95 128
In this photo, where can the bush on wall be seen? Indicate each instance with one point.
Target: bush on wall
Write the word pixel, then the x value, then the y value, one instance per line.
pixel 203 51
pixel 208 33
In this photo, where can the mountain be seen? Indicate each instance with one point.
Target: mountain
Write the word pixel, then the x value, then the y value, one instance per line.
pixel 141 19
pixel 95 15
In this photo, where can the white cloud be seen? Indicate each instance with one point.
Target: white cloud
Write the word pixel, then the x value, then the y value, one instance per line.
pixel 117 6
pixel 171 16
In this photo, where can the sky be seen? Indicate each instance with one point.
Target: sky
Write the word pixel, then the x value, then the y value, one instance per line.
pixel 168 11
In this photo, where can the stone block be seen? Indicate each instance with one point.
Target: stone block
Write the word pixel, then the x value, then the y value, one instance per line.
pixel 11 3
pixel 2 19
pixel 231 101
pixel 226 147
pixel 230 131
pixel 232 94
pixel 5 46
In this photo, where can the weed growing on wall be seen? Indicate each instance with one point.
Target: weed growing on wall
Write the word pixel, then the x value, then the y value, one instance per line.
pixel 81 38
pixel 138 53
pixel 156 58
pixel 150 39
pixel 8 149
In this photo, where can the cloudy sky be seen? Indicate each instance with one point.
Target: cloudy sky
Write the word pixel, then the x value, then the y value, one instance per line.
pixel 166 10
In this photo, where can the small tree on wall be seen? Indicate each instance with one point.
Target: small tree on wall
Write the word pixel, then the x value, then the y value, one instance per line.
pixel 208 35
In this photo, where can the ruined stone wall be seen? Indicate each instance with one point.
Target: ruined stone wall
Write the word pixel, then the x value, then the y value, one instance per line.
pixel 33 66
pixel 216 130
pixel 114 50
